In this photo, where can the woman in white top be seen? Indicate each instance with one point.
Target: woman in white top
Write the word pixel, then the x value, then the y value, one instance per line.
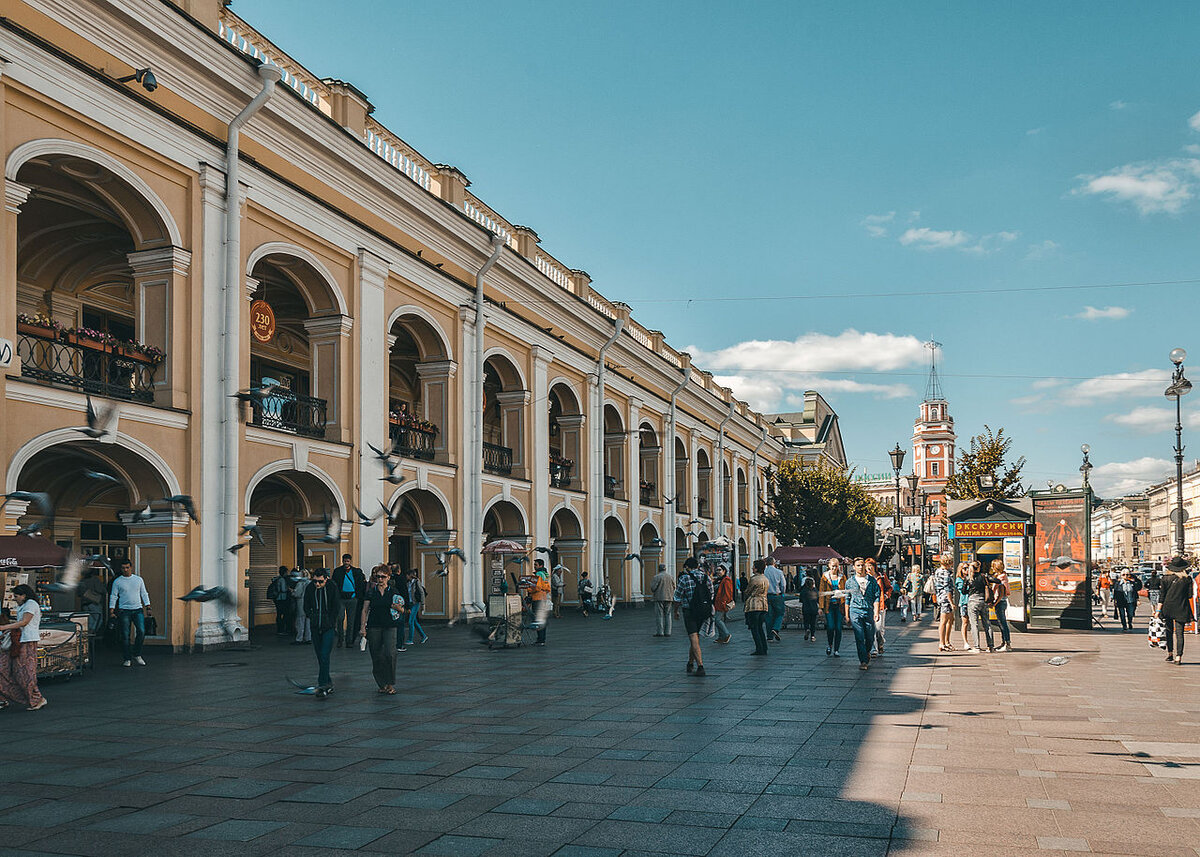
pixel 18 662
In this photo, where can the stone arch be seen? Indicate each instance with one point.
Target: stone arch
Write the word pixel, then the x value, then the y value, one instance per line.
pixel 409 487
pixel 507 367
pixel 565 523
pixel 561 381
pixel 510 515
pixel 48 147
pixel 432 340
pixel 59 437
pixel 337 300
pixel 286 464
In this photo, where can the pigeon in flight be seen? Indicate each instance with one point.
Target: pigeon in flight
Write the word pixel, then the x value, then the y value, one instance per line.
pixel 254 533
pixel 185 501
pixel 45 509
pixel 99 423
pixel 422 536
pixel 204 594
pixel 69 578
pixel 255 395
pixel 333 528
pixel 101 477
pixel 364 520
pixel 390 464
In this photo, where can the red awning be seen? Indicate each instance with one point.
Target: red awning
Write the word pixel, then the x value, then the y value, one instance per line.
pixel 29 552
pixel 804 555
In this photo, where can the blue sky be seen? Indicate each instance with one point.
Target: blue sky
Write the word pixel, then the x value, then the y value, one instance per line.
pixel 820 176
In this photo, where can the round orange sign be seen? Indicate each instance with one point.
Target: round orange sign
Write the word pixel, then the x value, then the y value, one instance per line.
pixel 262 321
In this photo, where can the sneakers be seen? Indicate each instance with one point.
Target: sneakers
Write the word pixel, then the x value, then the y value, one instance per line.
pixel 1170 657
pixel 836 653
pixel 725 639
pixel 140 661
pixel 41 704
pixel 864 666
pixel 690 667
pixel 402 648
pixel 130 663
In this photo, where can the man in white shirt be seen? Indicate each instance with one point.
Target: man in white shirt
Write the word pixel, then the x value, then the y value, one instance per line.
pixel 130 601
pixel 776 586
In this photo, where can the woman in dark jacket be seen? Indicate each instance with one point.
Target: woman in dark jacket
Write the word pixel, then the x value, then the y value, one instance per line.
pixel 321 607
pixel 382 611
pixel 1175 607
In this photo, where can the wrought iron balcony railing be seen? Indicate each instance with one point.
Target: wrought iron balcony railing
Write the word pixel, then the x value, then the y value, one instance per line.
pixel 283 411
pixel 647 493
pixel 409 442
pixel 97 369
pixel 560 474
pixel 497 459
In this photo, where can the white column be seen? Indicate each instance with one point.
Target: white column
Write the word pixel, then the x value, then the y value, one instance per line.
pixel 372 417
pixel 539 469
pixel 471 584
pixel 594 524
pixel 633 467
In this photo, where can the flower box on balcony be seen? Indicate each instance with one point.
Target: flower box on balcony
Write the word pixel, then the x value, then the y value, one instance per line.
pixel 85 341
pixel 28 328
pixel 139 353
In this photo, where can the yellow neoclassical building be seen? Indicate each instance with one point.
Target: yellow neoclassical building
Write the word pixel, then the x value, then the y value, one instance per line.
pixel 227 221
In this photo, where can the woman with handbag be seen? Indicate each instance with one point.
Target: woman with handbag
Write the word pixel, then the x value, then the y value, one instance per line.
pixel 1000 603
pixel 382 612
pixel 756 607
pixel 830 591
pixel 1176 606
pixel 18 659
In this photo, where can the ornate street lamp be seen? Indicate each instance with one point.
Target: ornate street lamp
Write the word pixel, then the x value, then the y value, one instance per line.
pixel 1180 387
pixel 913 479
pixel 1086 467
pixel 897 457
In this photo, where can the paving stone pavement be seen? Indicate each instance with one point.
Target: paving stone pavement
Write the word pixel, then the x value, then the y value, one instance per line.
pixel 601 745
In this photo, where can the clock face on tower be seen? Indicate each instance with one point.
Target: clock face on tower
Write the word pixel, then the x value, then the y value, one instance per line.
pixel 935 449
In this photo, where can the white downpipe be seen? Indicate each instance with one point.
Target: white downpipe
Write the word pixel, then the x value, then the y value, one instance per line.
pixel 719 517
pixel 231 335
pixel 670 547
pixel 596 542
pixel 755 511
pixel 473 542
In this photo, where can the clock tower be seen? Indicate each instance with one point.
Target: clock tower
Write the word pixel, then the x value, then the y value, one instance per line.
pixel 933 443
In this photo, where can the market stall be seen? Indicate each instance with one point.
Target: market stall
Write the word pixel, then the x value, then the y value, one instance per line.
pixel 987 530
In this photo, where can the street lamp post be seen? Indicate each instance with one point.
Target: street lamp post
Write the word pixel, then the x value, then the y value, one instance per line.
pixel 1180 386
pixel 1086 467
pixel 913 479
pixel 897 457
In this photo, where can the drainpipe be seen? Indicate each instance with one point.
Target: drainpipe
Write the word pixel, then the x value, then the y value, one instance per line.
pixel 231 335
pixel 475 503
pixel 672 487
pixel 719 517
pixel 596 543
pixel 754 492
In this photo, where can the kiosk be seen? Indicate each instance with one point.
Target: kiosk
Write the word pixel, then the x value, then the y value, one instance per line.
pixel 1061 594
pixel 987 530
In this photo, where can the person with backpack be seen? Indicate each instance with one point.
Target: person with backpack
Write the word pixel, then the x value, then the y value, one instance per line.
pixel 279 593
pixel 722 602
pixel 1175 607
pixel 584 591
pixel 694 599
pixel 756 605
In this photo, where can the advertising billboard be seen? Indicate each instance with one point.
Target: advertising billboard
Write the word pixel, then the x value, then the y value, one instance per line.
pixel 1060 547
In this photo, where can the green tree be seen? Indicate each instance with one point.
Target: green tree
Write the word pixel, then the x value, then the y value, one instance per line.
pixel 986 457
pixel 817 504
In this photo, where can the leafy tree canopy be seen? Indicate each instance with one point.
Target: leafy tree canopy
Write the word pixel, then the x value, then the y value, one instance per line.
pixel 818 504
pixel 986 455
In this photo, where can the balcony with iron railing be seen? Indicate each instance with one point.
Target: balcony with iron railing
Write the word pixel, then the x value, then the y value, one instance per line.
pixel 412 441
pixel 63 359
pixel 288 412
pixel 611 484
pixel 497 459
pixel 647 493
pixel 560 471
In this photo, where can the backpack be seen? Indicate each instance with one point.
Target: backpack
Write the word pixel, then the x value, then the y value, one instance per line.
pixel 701 605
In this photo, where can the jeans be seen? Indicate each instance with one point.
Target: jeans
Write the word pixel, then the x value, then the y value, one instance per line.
pixel 323 646
pixel 1173 635
pixel 138 618
pixel 810 620
pixel 863 626
pixel 381 643
pixel 1125 611
pixel 977 609
pixel 281 617
pixel 879 628
pixel 346 623
pixel 756 619
pixel 917 602
pixel 775 610
pixel 719 620
pixel 1002 620
pixel 95 619
pixel 414 625
pixel 833 629
pixel 662 618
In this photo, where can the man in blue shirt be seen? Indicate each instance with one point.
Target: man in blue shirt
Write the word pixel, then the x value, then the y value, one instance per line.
pixel 776 586
pixel 351 585
pixel 129 601
pixel 862 611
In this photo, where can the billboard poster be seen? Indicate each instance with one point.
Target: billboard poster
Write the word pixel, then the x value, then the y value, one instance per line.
pixel 1014 570
pixel 1060 552
pixel 911 524
pixel 883 528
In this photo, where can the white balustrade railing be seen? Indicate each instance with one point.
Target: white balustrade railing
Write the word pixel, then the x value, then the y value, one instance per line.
pixel 601 305
pixel 243 37
pixel 399 158
pixel 488 220
pixel 640 335
pixel 553 271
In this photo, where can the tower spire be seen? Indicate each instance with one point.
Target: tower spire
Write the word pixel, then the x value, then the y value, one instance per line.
pixel 933 387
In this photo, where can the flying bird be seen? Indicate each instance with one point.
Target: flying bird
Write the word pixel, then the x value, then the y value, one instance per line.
pixel 101 477
pixel 239 546
pixel 364 520
pixel 391 519
pixel 205 594
pixel 423 537
pixel 518 559
pixel 69 578
pixel 255 395
pixel 542 550
pixel 185 501
pixel 390 464
pixel 99 423
pixel 45 510
pixel 143 515
pixel 254 533
pixel 632 556
pixel 333 528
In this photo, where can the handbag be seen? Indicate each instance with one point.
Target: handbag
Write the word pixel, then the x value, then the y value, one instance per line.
pixel 1156 635
pixel 928 587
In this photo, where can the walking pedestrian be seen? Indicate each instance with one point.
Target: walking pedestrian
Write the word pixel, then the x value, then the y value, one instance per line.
pixel 978 598
pixel 1105 583
pixel 131 602
pixel 831 591
pixel 810 599
pixel 303 626
pixel 351 584
pixel 1154 591
pixel 416 605
pixel 962 596
pixel 863 602
pixel 557 588
pixel 881 579
pixel 1125 596
pixel 945 598
pixel 382 613
pixel 694 597
pixel 583 591
pixel 722 602
pixel 279 593
pixel 662 590
pixel 1175 608
pixel 776 587
pixel 539 601
pixel 755 606
pixel 914 594
pixel 999 583
pixel 322 606
pixel 18 662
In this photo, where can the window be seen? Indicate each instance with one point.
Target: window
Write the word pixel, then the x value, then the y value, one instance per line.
pixel 937 507
pixel 933 469
pixel 119 326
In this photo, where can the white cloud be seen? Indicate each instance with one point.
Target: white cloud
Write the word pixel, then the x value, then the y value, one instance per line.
pixel 1091 313
pixel 1149 420
pixel 1033 132
pixel 1119 385
pixel 769 373
pixel 876 224
pixel 1042 250
pixel 1153 187
pixel 1194 122
pixel 924 238
pixel 1117 105
pixel 1123 477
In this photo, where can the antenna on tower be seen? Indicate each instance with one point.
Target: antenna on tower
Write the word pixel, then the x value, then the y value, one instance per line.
pixel 933 387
